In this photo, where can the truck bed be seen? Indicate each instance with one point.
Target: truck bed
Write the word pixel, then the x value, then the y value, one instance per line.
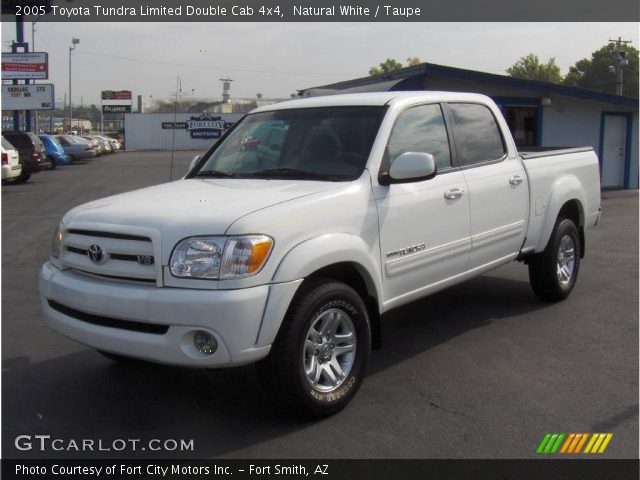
pixel 551 170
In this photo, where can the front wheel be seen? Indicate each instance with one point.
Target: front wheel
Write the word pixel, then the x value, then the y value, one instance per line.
pixel 318 361
pixel 553 273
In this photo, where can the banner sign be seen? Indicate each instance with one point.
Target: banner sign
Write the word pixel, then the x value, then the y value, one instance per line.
pixel 174 125
pixel 27 97
pixel 25 66
pixel 116 108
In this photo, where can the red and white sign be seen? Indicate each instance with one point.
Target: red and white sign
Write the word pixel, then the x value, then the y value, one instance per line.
pixel 116 95
pixel 25 66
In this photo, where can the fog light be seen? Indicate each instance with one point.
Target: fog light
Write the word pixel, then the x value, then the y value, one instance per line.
pixel 205 342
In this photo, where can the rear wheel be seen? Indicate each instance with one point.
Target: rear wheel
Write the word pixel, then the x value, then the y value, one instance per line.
pixel 23 177
pixel 553 273
pixel 318 361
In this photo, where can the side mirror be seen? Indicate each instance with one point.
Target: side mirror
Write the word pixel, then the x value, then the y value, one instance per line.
pixel 193 162
pixel 410 167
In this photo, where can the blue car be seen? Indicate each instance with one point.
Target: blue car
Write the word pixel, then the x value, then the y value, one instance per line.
pixel 54 151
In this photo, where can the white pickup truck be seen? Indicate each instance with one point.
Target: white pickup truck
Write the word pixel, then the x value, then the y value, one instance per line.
pixel 307 221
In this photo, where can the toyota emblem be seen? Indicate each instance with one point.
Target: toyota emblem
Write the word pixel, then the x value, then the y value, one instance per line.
pixel 95 253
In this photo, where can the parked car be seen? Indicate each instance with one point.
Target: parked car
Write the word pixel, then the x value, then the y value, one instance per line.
pixel 54 151
pixel 11 167
pixel 113 143
pixel 367 202
pixel 76 147
pixel 105 144
pixel 117 136
pixel 97 144
pixel 31 150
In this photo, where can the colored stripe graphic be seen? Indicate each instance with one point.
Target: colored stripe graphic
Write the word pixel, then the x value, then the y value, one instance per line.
pixel 550 443
pixel 598 442
pixel 572 443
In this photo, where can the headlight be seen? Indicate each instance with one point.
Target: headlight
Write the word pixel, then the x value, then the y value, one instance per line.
pixel 56 241
pixel 220 257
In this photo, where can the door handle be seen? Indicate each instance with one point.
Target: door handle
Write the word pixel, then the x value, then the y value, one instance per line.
pixel 515 180
pixel 453 193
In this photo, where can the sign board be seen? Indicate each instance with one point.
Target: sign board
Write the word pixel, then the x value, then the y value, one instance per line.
pixel 25 66
pixel 207 126
pixel 174 125
pixel 120 95
pixel 27 97
pixel 116 108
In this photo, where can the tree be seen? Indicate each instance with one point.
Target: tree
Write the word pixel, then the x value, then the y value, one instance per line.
pixel 529 67
pixel 391 65
pixel 595 74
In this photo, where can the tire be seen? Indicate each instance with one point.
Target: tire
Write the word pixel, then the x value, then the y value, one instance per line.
pixel 53 163
pixel 326 331
pixel 553 273
pixel 23 178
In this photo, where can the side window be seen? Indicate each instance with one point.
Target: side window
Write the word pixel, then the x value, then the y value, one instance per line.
pixel 478 137
pixel 421 129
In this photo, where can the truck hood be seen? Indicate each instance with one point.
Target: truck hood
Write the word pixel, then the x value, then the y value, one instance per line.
pixel 194 206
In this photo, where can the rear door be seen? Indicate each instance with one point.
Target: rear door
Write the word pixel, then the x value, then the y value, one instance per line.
pixel 498 191
pixel 424 225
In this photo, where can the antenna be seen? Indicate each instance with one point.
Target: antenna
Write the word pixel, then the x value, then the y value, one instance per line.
pixel 173 130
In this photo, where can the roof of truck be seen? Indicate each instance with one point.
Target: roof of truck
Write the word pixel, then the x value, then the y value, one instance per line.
pixel 371 99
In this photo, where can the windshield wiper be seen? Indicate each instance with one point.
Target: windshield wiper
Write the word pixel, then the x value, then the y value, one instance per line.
pixel 292 172
pixel 215 173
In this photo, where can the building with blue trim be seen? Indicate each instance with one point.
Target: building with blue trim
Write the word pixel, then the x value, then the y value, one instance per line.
pixel 539 113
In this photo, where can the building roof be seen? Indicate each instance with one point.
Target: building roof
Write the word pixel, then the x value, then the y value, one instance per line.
pixel 412 78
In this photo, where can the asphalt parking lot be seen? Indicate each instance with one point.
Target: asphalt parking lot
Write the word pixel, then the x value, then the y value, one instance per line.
pixel 482 370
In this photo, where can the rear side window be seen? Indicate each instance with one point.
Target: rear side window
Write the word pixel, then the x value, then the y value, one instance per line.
pixel 7 145
pixel 19 140
pixel 477 135
pixel 421 129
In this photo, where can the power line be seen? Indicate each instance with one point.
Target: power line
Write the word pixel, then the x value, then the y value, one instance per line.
pixel 207 67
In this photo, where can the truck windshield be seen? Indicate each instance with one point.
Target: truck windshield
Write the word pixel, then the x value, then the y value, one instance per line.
pixel 329 143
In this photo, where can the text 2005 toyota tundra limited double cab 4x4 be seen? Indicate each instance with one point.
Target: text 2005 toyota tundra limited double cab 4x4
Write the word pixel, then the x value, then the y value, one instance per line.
pixel 309 219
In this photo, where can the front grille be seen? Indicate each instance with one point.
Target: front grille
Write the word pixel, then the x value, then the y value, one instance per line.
pixel 116 256
pixel 109 322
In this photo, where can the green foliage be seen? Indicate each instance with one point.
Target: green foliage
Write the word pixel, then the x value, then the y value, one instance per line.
pixel 594 73
pixel 530 68
pixel 391 65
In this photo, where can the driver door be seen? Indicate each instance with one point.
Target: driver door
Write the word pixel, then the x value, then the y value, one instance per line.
pixel 424 225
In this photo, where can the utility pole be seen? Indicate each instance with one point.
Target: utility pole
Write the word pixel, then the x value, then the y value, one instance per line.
pixel 621 61
pixel 74 42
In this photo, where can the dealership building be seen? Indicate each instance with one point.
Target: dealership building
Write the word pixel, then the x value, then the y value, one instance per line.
pixel 539 114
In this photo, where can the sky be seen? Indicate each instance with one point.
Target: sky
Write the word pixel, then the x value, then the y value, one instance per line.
pixel 278 59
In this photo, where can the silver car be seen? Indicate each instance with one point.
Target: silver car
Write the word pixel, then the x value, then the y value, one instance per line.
pixel 77 148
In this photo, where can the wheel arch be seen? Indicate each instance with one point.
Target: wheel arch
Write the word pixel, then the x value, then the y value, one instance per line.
pixel 342 257
pixel 567 200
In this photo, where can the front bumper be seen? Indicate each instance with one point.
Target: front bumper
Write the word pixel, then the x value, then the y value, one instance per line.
pixel 234 317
